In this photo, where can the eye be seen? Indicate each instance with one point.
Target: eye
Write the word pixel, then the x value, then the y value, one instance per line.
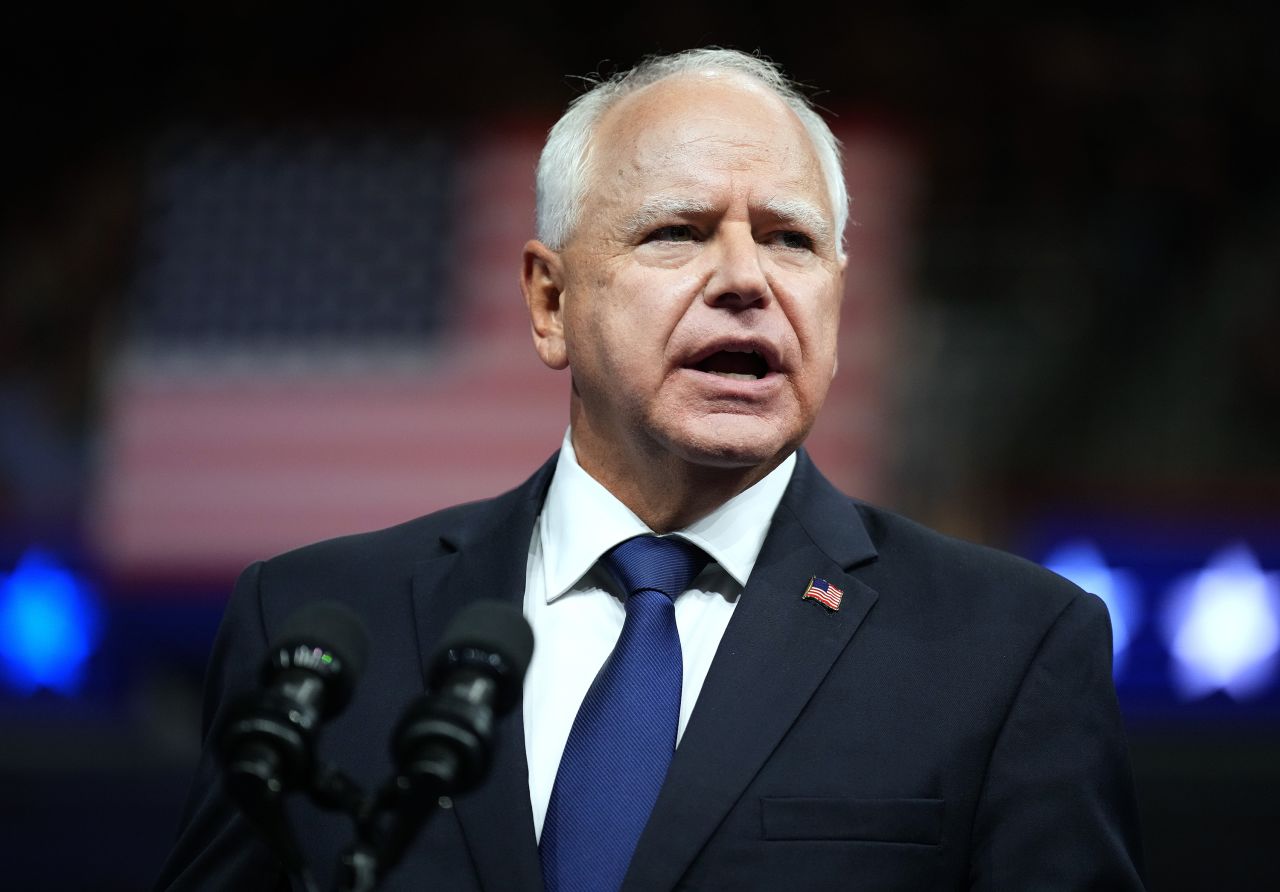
pixel 676 233
pixel 797 241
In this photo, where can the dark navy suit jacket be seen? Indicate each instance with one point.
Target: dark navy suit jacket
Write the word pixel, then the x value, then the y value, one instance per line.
pixel 953 725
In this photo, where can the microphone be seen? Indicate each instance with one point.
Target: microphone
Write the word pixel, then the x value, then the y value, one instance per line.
pixel 443 742
pixel 267 742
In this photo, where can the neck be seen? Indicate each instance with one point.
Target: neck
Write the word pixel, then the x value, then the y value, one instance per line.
pixel 664 490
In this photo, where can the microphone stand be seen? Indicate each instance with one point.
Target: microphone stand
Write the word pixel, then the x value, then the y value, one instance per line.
pixel 442 747
pixel 385 824
pixel 383 832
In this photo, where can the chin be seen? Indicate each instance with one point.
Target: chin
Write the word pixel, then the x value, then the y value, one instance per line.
pixel 733 443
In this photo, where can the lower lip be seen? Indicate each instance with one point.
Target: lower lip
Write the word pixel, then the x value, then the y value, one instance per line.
pixel 719 385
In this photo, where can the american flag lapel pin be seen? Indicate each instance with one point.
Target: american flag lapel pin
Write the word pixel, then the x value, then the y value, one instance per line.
pixel 824 593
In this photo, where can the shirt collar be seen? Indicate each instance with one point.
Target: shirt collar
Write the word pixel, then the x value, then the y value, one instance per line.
pixel 581 520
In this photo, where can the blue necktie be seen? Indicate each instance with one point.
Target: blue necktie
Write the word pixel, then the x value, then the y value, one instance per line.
pixel 624 735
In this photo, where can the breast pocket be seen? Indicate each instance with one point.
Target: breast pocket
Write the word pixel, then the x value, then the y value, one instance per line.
pixel 913 821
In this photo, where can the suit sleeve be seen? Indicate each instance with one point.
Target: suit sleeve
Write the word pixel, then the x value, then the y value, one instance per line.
pixel 216 848
pixel 1057 809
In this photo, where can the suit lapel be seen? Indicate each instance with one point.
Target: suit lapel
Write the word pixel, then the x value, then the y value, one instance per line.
pixel 488 560
pixel 774 654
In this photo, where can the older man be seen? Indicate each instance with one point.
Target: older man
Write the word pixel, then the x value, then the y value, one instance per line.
pixel 743 679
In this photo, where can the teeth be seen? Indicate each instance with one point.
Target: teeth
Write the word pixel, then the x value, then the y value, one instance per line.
pixel 737 376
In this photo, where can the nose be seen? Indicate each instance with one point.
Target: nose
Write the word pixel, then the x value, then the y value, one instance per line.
pixel 738 279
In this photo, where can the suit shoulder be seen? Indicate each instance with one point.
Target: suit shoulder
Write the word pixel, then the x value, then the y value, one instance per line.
pixel 369 572
pixel 942 563
pixel 421 538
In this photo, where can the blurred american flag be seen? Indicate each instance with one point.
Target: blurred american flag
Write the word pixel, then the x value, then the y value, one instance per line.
pixel 329 337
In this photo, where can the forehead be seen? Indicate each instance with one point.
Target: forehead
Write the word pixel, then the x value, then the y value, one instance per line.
pixel 704 132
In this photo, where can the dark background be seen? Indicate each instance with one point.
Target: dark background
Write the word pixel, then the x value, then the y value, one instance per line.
pixel 1091 334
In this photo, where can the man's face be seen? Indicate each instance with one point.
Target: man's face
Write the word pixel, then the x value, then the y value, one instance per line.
pixel 700 290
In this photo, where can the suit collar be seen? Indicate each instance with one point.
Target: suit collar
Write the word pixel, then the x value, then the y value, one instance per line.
pixel 828 516
pixel 499 516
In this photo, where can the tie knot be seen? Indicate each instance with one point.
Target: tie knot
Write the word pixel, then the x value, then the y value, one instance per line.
pixel 649 562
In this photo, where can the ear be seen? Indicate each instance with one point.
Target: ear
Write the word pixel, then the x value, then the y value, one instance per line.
pixel 542 281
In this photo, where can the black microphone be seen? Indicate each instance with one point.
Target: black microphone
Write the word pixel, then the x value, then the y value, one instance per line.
pixel 267 741
pixel 443 742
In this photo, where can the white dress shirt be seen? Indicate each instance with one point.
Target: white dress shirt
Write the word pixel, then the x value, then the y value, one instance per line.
pixel 576 610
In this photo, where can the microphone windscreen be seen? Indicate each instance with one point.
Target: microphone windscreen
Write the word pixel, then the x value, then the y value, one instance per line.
pixel 333 627
pixel 490 627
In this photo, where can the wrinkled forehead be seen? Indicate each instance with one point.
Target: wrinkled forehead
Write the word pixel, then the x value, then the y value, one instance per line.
pixel 692 128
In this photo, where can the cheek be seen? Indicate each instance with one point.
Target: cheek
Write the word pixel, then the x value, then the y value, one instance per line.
pixel 645 310
pixel 817 321
pixel 608 353
pixel 818 333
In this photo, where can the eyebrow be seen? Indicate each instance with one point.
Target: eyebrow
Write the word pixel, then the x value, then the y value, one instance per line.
pixel 801 214
pixel 789 211
pixel 665 207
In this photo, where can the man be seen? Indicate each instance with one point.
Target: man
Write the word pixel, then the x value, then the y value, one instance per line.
pixel 858 703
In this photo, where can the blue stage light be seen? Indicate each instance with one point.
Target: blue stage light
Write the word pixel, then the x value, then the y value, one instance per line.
pixel 1083 563
pixel 48 625
pixel 1222 627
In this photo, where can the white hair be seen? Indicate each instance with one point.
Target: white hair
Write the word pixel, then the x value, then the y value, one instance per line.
pixel 564 168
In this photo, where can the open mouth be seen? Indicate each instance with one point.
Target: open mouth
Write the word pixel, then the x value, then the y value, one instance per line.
pixel 740 366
